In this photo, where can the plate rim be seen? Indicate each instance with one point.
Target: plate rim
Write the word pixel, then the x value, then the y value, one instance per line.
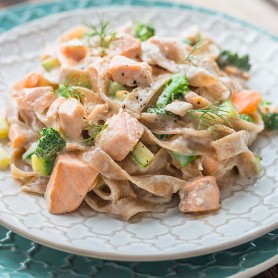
pixel 125 257
pixel 134 3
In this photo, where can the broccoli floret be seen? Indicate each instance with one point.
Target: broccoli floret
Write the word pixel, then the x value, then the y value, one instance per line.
pixel 50 143
pixel 229 58
pixel 176 88
pixel 144 32
pixel 247 118
pixel 160 111
pixel 270 120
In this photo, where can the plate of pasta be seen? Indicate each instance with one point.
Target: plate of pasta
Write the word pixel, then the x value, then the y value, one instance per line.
pixel 138 138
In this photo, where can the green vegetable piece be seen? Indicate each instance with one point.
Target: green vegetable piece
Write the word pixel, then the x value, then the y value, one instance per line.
pixel 141 155
pixel 176 88
pixel 144 32
pixel 187 41
pixel 227 110
pixel 247 118
pixel 258 161
pixel 29 152
pixel 43 158
pixel 163 136
pixel 184 160
pixel 114 88
pixel 229 58
pixel 270 120
pixel 43 165
pixel 50 143
pixel 160 111
pixel 50 64
pixel 265 103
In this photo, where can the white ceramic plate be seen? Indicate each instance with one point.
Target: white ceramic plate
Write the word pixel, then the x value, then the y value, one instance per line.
pixel 248 209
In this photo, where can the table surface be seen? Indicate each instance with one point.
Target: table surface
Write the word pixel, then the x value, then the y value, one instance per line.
pixel 253 11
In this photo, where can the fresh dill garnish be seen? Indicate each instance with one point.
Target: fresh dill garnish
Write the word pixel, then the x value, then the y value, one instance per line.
pixel 69 89
pixel 265 103
pixel 102 32
pixel 191 55
pixel 95 130
pixel 210 115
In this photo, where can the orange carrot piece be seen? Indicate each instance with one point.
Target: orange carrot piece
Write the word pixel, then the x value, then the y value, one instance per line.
pixel 247 101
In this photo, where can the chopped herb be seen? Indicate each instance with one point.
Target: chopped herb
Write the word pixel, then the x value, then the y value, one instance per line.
pixel 210 115
pixel 187 41
pixel 102 32
pixel 95 130
pixel 265 103
pixel 191 56
pixel 69 89
pixel 247 118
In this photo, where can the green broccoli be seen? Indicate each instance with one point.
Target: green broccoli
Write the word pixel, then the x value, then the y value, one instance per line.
pixel 270 120
pixel 143 31
pixel 50 143
pixel 176 88
pixel 229 58
pixel 160 111
pixel 247 118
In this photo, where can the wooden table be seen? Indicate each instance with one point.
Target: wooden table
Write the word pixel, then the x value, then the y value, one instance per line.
pixel 263 13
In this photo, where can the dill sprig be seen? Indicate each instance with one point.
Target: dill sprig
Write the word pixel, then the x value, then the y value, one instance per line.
pixel 210 115
pixel 102 32
pixel 69 89
pixel 95 130
pixel 191 55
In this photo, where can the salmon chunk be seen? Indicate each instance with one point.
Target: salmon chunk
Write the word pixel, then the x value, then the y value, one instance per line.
pixel 32 80
pixel 172 48
pixel 37 99
pixel 70 181
pixel 125 45
pixel 121 135
pixel 130 72
pixel 71 113
pixel 74 49
pixel 17 135
pixel 52 115
pixel 200 195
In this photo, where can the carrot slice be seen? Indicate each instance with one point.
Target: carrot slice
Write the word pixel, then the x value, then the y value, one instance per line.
pixel 247 101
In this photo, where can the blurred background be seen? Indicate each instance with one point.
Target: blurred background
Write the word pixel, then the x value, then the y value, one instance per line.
pixel 263 13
